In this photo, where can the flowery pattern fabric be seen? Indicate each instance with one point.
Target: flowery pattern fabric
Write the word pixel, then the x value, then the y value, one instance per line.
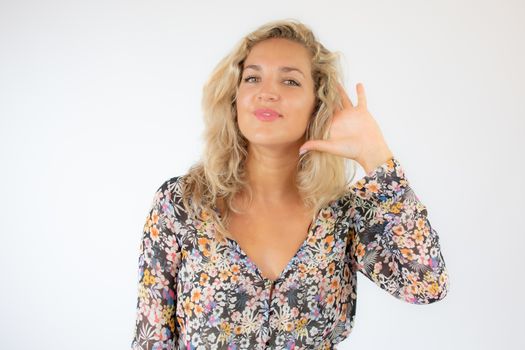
pixel 196 292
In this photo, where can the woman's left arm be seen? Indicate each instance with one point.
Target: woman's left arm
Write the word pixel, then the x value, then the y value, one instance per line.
pixel 393 243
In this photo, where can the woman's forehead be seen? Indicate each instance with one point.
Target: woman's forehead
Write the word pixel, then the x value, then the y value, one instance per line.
pixel 285 54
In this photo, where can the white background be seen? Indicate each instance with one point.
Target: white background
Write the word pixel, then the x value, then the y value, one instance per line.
pixel 100 103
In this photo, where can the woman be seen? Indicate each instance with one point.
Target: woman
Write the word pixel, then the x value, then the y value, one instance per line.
pixel 258 245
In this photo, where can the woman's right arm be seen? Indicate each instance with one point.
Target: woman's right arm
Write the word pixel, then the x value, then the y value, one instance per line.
pixel 159 260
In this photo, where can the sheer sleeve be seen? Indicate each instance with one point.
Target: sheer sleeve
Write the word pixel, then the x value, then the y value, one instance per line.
pixel 159 257
pixel 393 243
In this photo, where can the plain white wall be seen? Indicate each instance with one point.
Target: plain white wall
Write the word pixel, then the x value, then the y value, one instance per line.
pixel 100 103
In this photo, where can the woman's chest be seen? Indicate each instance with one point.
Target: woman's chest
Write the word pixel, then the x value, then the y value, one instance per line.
pixel 270 241
pixel 219 286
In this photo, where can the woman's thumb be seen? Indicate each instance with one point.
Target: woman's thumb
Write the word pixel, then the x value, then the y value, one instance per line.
pixel 316 145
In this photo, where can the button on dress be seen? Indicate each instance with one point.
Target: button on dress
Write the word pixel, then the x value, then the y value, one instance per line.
pixel 198 292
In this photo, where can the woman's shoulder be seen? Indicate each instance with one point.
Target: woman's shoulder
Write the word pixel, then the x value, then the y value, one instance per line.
pixel 171 190
pixel 173 186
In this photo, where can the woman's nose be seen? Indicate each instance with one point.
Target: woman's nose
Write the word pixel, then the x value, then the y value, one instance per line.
pixel 268 96
pixel 268 93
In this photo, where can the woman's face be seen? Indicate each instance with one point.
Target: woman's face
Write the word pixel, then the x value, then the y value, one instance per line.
pixel 276 75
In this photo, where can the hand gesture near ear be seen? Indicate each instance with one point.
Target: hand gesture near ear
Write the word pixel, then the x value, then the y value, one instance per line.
pixel 354 134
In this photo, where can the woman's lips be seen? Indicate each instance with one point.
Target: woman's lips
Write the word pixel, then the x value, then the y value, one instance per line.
pixel 266 114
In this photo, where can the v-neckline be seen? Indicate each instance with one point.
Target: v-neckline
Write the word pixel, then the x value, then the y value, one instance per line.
pixel 303 246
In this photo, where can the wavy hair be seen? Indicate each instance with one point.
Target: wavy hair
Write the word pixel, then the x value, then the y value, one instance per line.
pixel 220 174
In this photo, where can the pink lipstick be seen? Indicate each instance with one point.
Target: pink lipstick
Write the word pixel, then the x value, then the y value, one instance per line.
pixel 266 114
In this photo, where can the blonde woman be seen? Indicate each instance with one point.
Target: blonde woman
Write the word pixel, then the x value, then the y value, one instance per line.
pixel 258 245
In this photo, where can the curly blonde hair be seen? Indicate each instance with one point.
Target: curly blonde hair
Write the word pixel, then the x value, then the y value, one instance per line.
pixel 220 174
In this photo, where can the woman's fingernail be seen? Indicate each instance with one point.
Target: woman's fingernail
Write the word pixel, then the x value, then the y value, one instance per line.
pixel 302 151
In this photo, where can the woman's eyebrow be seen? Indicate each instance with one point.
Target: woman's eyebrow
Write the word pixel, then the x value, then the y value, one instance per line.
pixel 283 69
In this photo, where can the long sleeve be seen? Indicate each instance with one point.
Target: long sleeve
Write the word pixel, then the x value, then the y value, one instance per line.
pixel 393 243
pixel 159 259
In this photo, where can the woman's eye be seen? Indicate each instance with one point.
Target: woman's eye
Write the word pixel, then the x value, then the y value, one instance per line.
pixel 292 82
pixel 247 79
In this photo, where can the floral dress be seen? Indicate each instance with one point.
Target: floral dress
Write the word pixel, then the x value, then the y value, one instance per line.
pixel 197 292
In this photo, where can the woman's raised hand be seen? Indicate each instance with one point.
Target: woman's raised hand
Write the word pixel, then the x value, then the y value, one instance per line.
pixel 354 134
